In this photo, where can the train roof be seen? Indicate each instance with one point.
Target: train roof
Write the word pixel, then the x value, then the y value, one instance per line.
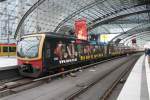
pixel 53 34
pixel 58 35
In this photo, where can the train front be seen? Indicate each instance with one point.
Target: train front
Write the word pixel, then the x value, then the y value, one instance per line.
pixel 29 55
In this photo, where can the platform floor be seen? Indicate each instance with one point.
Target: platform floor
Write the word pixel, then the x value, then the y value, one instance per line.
pixel 7 62
pixel 137 86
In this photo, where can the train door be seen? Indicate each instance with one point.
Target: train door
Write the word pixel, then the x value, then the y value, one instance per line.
pixel 53 52
pixel 47 55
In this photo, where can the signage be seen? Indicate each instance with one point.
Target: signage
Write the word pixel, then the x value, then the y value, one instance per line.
pixel 81 29
pixel 104 37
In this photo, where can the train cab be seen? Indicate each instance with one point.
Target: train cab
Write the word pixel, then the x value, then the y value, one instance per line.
pixel 29 54
pixel 40 54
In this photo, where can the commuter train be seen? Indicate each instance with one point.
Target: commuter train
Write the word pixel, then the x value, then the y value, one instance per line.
pixel 42 53
pixel 7 49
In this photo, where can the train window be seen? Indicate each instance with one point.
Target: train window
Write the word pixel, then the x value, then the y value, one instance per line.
pixel 12 49
pixel 87 49
pixel 93 49
pixel 64 51
pixel 80 49
pixel 48 51
pixel 71 50
pixel 60 50
pixel 5 49
pixel 84 49
pixel 75 48
pixel 96 49
pixel 29 47
pixel 99 49
pixel 9 49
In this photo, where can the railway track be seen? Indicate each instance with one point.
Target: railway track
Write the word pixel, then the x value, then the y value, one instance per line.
pixel 9 74
pixel 16 86
pixel 119 80
pixel 76 95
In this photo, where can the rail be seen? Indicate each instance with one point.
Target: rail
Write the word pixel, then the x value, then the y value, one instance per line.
pixel 7 88
pixel 92 83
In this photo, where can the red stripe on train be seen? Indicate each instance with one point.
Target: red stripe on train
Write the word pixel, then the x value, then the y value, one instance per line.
pixel 35 63
pixel 6 44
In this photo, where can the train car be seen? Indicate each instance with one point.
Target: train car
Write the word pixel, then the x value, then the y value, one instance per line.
pixel 41 53
pixel 8 49
pixel 114 50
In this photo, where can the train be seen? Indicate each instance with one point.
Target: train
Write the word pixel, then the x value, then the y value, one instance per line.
pixel 7 49
pixel 41 53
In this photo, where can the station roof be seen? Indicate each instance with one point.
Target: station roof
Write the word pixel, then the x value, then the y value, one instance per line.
pixel 18 17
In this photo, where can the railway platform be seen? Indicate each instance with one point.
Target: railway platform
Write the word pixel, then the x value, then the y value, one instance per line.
pixel 7 62
pixel 137 86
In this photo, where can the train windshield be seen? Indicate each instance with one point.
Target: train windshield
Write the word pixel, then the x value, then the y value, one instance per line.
pixel 28 47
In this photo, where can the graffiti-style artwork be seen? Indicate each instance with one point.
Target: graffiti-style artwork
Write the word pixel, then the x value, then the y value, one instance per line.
pixel 65 52
pixel 71 51
pixel 58 50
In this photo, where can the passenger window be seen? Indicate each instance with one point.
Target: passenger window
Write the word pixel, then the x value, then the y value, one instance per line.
pixel 71 50
pixel 48 51
pixel 5 49
pixel 80 49
pixel 96 49
pixel 12 49
pixel 58 50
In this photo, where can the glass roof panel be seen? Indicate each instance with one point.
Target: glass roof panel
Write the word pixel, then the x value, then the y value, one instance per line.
pixel 52 15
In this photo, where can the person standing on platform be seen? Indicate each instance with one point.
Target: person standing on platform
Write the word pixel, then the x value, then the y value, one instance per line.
pixel 148 54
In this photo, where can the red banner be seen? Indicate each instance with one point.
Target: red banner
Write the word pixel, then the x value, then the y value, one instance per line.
pixel 81 29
